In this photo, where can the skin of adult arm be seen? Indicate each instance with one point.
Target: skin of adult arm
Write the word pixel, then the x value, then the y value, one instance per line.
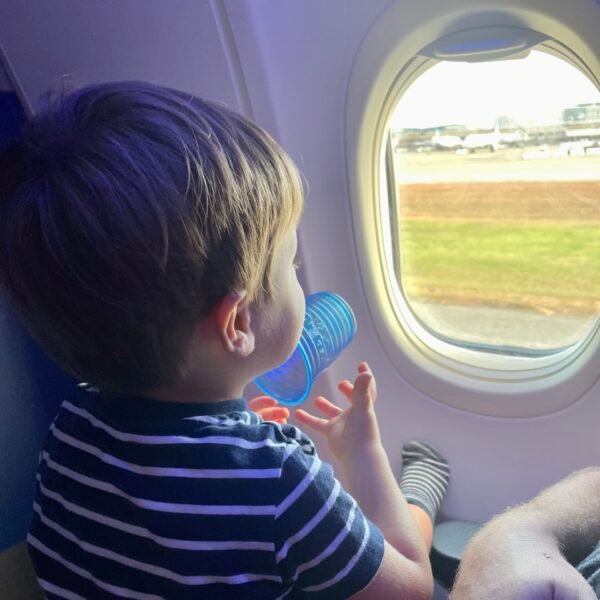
pixel 527 551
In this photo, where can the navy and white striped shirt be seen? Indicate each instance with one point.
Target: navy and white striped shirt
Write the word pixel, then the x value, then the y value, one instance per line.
pixel 144 499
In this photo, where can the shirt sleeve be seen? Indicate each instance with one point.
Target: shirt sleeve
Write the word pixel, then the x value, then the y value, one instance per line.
pixel 325 546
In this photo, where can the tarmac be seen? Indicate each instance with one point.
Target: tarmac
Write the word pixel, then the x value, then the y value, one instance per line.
pixel 512 327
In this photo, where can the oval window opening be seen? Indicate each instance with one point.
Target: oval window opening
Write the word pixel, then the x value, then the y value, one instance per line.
pixel 496 204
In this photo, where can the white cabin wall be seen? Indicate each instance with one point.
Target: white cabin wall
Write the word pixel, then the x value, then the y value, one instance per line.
pixel 175 43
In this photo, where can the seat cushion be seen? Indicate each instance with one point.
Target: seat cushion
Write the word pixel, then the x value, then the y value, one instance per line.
pixel 17 579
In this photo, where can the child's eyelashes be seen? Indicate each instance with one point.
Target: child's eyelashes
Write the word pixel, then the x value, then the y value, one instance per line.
pixel 297 264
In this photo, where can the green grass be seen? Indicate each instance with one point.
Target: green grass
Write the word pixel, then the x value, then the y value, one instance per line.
pixel 546 266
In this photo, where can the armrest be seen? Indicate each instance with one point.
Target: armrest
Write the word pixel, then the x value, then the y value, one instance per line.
pixel 449 542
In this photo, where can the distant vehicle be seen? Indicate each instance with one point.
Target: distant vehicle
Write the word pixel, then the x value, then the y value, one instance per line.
pixel 495 140
pixel 482 141
pixel 510 139
pixel 446 142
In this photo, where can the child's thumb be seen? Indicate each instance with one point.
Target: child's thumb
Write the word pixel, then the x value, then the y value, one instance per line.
pixel 362 394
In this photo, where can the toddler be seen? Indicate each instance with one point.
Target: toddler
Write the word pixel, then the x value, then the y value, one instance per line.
pixel 148 241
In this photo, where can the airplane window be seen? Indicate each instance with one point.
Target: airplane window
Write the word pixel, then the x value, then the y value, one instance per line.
pixel 496 203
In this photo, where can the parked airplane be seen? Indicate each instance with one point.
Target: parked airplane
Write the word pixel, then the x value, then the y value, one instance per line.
pixel 449 154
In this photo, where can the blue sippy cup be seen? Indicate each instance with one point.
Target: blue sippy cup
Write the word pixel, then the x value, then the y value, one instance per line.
pixel 329 326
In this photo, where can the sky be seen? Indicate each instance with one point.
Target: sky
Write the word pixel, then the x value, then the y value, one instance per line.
pixel 533 91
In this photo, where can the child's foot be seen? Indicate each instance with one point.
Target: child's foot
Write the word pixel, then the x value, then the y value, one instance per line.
pixel 425 477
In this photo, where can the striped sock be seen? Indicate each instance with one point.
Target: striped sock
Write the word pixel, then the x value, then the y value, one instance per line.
pixel 425 477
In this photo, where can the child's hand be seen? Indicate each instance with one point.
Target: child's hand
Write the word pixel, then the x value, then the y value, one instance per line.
pixel 267 408
pixel 351 430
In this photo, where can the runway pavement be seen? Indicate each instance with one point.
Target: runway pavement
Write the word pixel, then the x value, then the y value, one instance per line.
pixel 504 326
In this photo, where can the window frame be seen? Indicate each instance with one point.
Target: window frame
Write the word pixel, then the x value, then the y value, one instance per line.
pixel 467 379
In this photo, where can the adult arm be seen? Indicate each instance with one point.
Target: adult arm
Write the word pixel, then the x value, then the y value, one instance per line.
pixel 527 551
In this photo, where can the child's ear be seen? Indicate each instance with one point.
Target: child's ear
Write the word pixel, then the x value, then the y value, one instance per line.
pixel 232 316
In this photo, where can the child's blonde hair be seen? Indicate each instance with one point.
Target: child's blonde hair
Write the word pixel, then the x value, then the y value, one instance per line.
pixel 126 213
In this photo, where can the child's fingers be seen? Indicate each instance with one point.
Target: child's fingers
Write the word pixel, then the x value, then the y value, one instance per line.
pixel 260 402
pixel 327 407
pixel 363 393
pixel 276 413
pixel 346 388
pixel 320 425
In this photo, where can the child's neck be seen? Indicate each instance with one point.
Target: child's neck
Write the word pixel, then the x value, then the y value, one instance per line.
pixel 188 391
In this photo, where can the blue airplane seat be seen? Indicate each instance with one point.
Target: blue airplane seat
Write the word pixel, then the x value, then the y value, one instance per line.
pixel 31 388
